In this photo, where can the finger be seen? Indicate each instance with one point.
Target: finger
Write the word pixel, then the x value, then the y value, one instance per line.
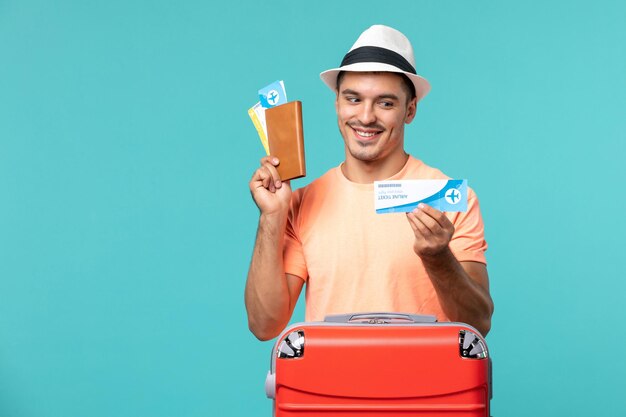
pixel 439 216
pixel 271 162
pixel 276 182
pixel 263 179
pixel 420 227
pixel 428 222
pixel 270 183
pixel 409 217
pixel 270 159
pixel 257 178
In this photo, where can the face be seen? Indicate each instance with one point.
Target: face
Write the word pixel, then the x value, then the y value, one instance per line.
pixel 372 109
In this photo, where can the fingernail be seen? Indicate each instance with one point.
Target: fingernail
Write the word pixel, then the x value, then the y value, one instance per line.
pixel 275 161
pixel 420 206
pixel 277 183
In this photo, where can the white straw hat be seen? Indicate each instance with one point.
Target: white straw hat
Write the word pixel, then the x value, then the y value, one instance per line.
pixel 380 48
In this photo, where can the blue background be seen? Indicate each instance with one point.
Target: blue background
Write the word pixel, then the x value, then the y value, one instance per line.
pixel 126 225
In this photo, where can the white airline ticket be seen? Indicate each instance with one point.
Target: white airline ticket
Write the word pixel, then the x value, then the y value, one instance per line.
pixel 403 196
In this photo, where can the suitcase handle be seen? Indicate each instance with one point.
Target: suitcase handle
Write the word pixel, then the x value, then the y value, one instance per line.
pixel 379 318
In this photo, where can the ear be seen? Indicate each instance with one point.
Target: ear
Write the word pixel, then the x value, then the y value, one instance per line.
pixel 411 109
pixel 337 101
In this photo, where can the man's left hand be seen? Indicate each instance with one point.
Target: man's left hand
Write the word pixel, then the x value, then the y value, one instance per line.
pixel 433 231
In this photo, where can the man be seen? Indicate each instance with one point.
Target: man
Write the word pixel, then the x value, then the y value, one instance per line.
pixel 328 235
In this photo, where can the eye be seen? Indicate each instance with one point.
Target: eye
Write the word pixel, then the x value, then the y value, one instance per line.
pixel 352 99
pixel 386 104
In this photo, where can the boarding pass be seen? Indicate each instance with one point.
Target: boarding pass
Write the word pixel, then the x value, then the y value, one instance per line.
pixel 403 196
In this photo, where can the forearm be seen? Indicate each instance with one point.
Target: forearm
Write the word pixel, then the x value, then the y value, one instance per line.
pixel 267 297
pixel 461 297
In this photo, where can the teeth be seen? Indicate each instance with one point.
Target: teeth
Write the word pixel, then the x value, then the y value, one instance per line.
pixel 366 134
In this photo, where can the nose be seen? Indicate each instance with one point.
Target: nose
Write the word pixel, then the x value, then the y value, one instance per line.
pixel 367 116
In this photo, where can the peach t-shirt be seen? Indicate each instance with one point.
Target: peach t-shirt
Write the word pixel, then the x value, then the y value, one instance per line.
pixel 354 260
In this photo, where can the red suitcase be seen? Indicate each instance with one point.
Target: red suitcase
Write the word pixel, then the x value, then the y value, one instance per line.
pixel 380 364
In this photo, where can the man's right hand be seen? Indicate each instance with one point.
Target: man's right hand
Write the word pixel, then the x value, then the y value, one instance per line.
pixel 271 294
pixel 270 194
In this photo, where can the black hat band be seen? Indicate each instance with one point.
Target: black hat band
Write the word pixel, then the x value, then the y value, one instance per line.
pixel 377 54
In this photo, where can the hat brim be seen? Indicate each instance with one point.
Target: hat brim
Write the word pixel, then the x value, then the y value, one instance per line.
pixel 329 77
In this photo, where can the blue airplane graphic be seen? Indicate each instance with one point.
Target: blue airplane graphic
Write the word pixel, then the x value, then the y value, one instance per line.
pixel 273 97
pixel 452 195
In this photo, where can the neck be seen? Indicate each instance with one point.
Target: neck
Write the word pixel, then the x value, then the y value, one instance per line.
pixel 366 172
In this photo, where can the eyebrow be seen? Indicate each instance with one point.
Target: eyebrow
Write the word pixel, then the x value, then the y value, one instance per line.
pixel 390 96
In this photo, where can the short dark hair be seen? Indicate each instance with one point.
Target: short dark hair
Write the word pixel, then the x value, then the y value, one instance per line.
pixel 407 84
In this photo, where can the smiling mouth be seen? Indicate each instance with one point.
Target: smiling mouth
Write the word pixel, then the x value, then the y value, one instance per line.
pixel 366 134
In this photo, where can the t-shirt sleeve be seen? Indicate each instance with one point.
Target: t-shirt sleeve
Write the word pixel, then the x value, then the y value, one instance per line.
pixel 468 242
pixel 293 255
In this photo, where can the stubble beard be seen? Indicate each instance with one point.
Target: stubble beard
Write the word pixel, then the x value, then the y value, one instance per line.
pixel 362 151
pixel 365 152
